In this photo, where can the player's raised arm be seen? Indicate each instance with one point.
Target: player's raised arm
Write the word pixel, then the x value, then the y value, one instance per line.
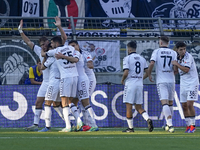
pixel 63 34
pixel 24 37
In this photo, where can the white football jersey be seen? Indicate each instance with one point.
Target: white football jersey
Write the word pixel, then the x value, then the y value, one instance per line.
pixel 136 65
pixel 80 67
pixel 190 78
pixel 163 58
pixel 54 73
pixel 87 57
pixel 66 68
pixel 45 72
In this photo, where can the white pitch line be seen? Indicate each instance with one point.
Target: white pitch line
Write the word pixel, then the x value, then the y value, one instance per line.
pixel 96 137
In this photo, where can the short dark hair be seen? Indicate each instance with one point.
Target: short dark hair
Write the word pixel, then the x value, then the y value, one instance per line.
pixel 164 38
pixel 73 41
pixel 38 60
pixel 57 39
pixel 49 46
pixel 43 39
pixel 132 44
pixel 180 44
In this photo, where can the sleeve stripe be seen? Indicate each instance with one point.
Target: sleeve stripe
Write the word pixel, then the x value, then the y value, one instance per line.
pixel 125 69
pixel 187 67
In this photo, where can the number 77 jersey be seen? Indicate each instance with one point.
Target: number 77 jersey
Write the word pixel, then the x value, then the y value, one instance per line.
pixel 163 58
pixel 66 68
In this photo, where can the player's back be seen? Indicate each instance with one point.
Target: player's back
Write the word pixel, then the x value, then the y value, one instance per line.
pixel 163 58
pixel 66 68
pixel 136 65
pixel 54 73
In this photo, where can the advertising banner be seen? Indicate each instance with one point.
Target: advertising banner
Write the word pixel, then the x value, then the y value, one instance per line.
pixel 15 60
pixel 17 105
pixel 149 8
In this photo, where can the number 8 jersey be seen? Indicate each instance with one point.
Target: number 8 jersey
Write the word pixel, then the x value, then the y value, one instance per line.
pixel 163 58
pixel 136 65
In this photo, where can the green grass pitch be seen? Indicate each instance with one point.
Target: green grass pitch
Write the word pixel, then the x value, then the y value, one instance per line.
pixel 105 139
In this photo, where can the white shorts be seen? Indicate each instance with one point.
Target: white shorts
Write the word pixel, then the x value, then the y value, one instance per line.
pixel 43 89
pixel 189 93
pixel 83 88
pixel 53 91
pixel 133 94
pixel 68 87
pixel 166 91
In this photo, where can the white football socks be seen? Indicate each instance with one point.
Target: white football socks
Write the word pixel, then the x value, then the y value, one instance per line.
pixel 66 116
pixel 48 113
pixel 37 115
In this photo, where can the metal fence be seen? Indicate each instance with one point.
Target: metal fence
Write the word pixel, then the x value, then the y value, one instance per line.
pixel 143 30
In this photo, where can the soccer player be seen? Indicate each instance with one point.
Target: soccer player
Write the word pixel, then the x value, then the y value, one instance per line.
pixel 92 83
pixel 69 76
pixel 43 41
pixel 189 85
pixel 134 66
pixel 165 78
pixel 86 75
pixel 53 94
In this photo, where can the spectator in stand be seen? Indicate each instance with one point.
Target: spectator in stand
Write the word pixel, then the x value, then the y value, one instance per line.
pixel 35 74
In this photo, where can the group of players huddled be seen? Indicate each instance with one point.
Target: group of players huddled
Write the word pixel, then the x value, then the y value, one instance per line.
pixel 68 77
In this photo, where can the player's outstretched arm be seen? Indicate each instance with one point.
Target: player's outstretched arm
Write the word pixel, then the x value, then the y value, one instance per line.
pixel 24 37
pixel 62 32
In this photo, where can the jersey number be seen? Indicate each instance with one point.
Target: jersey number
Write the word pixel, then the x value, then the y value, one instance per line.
pixel 68 54
pixel 137 67
pixel 168 59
